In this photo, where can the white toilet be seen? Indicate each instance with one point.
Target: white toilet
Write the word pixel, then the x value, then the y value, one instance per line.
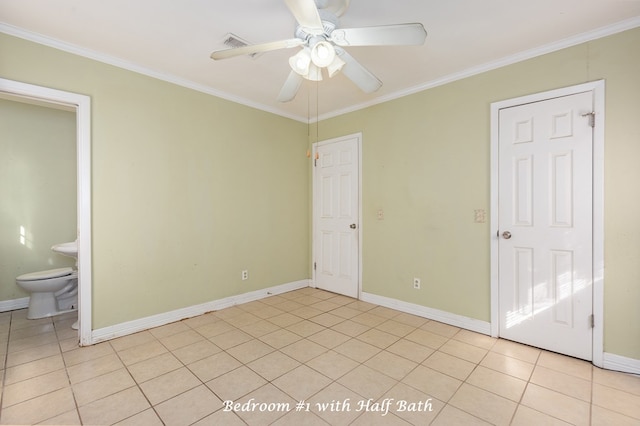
pixel 53 292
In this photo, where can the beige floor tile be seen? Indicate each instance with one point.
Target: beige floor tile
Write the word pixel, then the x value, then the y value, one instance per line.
pixel 301 382
pixel 378 338
pixel 201 320
pixel 432 383
pixel 327 319
pixel 260 328
pixel 450 365
pixel 284 320
pixel 303 350
pixel 440 329
pixel 196 351
pixel 614 379
pixel 384 312
pixel 396 328
pixel 325 306
pixel 603 417
pixel 499 383
pixel 464 351
pixel 511 366
pixel 266 312
pixel 563 383
pixel 329 338
pixel 31 388
pixel 476 339
pixel 483 404
pixel 102 386
pixel 236 383
pixel 169 385
pixel 230 339
pixel 341 300
pixel 69 418
pixel 189 407
pixel 305 328
pixel 154 367
pixel 390 364
pixel 126 342
pixel 32 354
pixel 273 300
pixel 367 382
pixel 565 364
pixel 87 353
pixel 32 328
pixel 368 319
pixel 332 364
pixel 229 312
pixel 145 418
pixel 243 320
pixel 346 312
pixel 38 409
pixel 24 343
pixel 306 312
pixel 270 404
pixel 526 416
pixel 335 404
pixel 412 405
pixel 426 338
pixel 250 351
pixel 374 418
pixel 288 306
pixel 169 329
pixel 617 400
pixel 410 350
pixel 273 365
pixel 94 367
pixel 214 366
pixel 409 319
pixel 142 352
pixel 183 338
pixel 451 416
pixel 357 350
pixel 33 369
pixel 350 328
pixel 221 417
pixel 295 418
pixel 280 338
pixel 557 405
pixel 517 351
pixel 214 328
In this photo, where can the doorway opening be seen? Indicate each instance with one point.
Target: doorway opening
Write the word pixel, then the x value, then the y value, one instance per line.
pixel 82 105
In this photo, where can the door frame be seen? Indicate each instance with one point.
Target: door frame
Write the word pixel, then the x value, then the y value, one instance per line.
pixel 82 106
pixel 314 218
pixel 598 89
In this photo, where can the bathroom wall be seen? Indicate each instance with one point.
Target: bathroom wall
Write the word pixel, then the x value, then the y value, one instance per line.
pixel 426 163
pixel 37 190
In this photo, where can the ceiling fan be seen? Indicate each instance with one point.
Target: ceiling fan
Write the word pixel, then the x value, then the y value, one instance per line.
pixel 322 44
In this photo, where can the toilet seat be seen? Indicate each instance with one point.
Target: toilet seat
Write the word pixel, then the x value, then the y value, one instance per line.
pixel 45 275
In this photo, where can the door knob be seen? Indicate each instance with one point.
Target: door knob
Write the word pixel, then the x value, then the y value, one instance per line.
pixel 506 235
pixel 352 226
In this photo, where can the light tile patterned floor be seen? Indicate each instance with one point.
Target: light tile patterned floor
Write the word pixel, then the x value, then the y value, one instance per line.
pixel 305 357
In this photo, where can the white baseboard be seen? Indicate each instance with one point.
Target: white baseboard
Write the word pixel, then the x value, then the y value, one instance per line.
pixel 430 313
pixel 130 327
pixel 12 305
pixel 621 363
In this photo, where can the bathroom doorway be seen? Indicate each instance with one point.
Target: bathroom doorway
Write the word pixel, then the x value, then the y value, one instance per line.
pixel 82 105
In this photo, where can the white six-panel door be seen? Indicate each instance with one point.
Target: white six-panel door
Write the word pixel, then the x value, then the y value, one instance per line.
pixel 545 224
pixel 336 215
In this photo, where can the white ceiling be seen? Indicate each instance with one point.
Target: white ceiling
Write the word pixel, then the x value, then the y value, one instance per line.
pixel 173 39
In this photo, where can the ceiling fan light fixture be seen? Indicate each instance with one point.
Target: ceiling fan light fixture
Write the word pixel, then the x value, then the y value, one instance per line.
pixel 300 62
pixel 314 74
pixel 323 54
pixel 335 66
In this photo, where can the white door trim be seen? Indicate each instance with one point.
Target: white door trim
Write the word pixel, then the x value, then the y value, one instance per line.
pixel 597 87
pixel 358 136
pixel 82 105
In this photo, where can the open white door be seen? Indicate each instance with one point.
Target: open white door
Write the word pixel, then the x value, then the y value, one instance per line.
pixel 545 223
pixel 336 215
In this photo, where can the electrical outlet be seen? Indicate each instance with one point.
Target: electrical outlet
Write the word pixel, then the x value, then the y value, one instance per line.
pixel 416 283
pixel 245 275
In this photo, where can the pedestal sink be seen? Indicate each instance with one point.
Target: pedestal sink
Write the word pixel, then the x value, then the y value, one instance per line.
pixel 67 249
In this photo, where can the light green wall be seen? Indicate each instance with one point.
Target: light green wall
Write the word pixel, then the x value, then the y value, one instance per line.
pixel 188 189
pixel 37 190
pixel 426 164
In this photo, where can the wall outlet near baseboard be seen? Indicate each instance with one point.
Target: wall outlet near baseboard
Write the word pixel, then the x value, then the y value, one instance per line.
pixel 245 275
pixel 416 283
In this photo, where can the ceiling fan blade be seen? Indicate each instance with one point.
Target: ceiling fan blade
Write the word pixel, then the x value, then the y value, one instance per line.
pixel 306 13
pixel 353 70
pixel 385 35
pixel 290 88
pixel 256 48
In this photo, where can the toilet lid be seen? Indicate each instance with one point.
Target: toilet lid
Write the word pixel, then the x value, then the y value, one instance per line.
pixel 45 275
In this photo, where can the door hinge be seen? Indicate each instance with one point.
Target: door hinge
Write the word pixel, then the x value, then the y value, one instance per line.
pixel 592 118
pixel 314 266
pixel 592 321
